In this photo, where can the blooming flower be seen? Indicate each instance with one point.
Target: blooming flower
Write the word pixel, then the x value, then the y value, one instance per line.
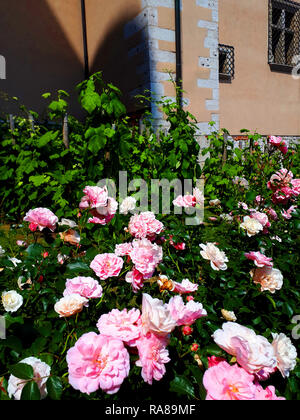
pixel 67 222
pixel 199 196
pixel 145 256
pixel 86 287
pixel 156 317
pixel 94 197
pixel 97 361
pixel 185 314
pixel 251 225
pixel 253 352
pixel 136 279
pixel 262 218
pixel 41 373
pixel 153 356
pixel 285 352
pixel 123 249
pixel 2 251
pixel 267 394
pixel 185 201
pixel 127 205
pixel 41 218
pixel 259 259
pixel 215 202
pixel 107 265
pixel 11 301
pixel 120 324
pixel 214 360
pixel 225 382
pixel 279 143
pixel 186 286
pixel 242 182
pixel 144 225
pixel 287 214
pixel 70 305
pixel 217 258
pixel 268 278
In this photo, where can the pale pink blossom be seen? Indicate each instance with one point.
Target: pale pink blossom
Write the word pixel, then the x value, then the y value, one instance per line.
pixel 123 325
pixel 262 218
pixel 94 197
pixel 186 286
pixel 259 259
pixel 279 143
pixel 217 258
pixel 153 356
pixel 41 218
pixel 226 382
pixel 110 209
pixel 156 317
pixel 199 196
pixel 185 314
pixel 41 373
pixel 107 265
pixel 253 352
pixel 146 256
pixel 185 201
pixel 127 205
pixel 287 214
pixel 268 394
pixel 286 354
pixel 70 305
pixel 98 361
pixel 242 205
pixel 145 225
pixel 251 225
pixel 136 279
pixel 272 213
pixel 215 202
pixel 86 287
pixel 268 278
pixel 281 178
pixel 123 249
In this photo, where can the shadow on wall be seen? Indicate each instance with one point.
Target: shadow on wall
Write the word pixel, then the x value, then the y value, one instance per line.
pixel 39 57
pixel 124 61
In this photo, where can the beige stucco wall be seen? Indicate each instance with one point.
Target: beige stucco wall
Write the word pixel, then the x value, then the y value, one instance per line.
pixel 41 41
pixel 257 99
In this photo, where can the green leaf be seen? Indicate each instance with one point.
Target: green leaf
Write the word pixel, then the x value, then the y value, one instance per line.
pixel 46 138
pixel 39 180
pixel 31 392
pixel 77 267
pixel 35 250
pixel 182 386
pixel 54 387
pixel 22 371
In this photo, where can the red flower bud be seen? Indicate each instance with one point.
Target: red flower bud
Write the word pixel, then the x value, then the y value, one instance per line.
pixel 187 330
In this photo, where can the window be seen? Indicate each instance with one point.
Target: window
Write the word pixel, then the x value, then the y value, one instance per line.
pixel 284 30
pixel 226 63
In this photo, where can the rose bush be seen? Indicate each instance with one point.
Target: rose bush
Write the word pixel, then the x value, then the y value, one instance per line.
pixel 129 302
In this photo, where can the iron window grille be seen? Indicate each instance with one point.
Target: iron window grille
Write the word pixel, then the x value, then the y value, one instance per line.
pixel 284 34
pixel 226 62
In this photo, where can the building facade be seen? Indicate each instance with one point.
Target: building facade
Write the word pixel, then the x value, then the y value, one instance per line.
pixel 237 59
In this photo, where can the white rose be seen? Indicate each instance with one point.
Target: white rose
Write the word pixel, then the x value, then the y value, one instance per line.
pixel 11 301
pixel 156 316
pixel 228 315
pixel 41 373
pixel 251 225
pixel 67 222
pixel 215 202
pixel 128 204
pixel 2 251
pixel 285 353
pixel 70 305
pixel 253 352
pixel 217 258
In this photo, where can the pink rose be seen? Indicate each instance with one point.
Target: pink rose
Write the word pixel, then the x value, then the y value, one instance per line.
pixel 259 259
pixel 185 314
pixel 107 265
pixel 267 394
pixel 86 287
pixel 98 361
pixel 145 256
pixel 41 218
pixel 225 382
pixel 185 201
pixel 214 361
pixel 153 356
pixel 262 218
pixel 123 249
pixel 94 197
pixel 136 279
pixel 145 225
pixel 122 325
pixel 185 286
pixel 287 214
